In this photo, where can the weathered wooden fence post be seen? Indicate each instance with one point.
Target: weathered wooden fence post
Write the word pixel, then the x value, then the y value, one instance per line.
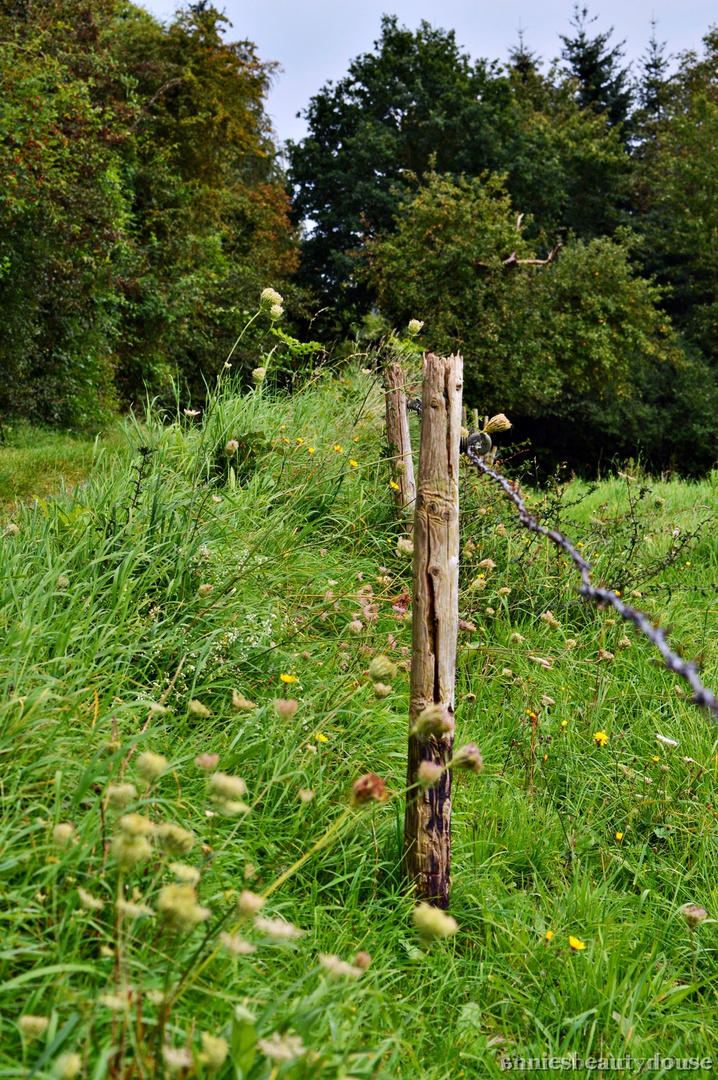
pixel 399 443
pixel 427 831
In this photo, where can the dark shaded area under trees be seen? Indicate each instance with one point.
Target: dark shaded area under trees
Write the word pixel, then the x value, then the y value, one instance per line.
pixel 554 222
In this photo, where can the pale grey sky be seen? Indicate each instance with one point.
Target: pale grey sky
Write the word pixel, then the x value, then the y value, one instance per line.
pixel 314 40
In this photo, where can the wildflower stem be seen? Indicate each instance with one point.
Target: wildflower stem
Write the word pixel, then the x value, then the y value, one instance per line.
pixel 320 843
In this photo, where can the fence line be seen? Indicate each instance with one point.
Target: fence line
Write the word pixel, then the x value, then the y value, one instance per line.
pixel 687 669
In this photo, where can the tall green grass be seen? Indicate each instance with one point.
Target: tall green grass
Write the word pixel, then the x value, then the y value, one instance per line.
pixel 107 613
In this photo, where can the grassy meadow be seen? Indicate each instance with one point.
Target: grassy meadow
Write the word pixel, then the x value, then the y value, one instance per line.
pixel 157 618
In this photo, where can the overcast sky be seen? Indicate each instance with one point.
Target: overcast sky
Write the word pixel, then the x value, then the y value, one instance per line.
pixel 314 40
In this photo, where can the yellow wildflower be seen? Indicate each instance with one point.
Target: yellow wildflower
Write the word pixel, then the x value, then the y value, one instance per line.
pixel 619 836
pixel 576 943
pixel 394 485
pixel 337 448
pixel 320 738
pixel 354 464
pixel 310 449
pixel 300 440
pixel 600 738
pixel 288 678
pixel 548 935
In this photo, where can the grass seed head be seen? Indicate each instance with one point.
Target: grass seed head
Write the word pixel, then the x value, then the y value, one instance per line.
pixel 693 915
pixel 185 873
pixel 178 904
pixel 196 708
pixel 175 840
pixel 369 788
pixel 119 795
pixel 151 766
pixel 177 1058
pixel 33 1027
pixel 432 922
pixel 88 901
pixel 63 833
pixel 249 903
pixel 236 945
pixel 429 773
pixel 207 762
pixel 281 1048
pixel 277 929
pixel 286 707
pixel 241 703
pixel 381 690
pixel 382 669
pixel 468 757
pixel 214 1051
pixel 433 720
pixel 337 968
pixel 69 1066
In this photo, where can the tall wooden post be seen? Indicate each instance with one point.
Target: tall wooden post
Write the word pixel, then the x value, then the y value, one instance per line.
pixel 427 830
pixel 399 443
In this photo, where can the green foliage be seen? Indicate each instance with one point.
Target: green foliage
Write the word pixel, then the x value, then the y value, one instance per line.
pixel 103 618
pixel 416 104
pixel 602 84
pixel 144 212
pixel 677 197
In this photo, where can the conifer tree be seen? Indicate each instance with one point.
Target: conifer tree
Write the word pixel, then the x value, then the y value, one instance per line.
pixel 603 84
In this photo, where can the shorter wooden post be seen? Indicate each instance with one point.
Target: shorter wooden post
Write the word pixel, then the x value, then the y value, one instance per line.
pixel 399 443
pixel 435 608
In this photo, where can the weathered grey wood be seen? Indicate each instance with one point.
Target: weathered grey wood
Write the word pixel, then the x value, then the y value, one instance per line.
pixel 399 442
pixel 427 832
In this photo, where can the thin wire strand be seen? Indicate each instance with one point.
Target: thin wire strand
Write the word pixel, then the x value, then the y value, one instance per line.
pixel 687 669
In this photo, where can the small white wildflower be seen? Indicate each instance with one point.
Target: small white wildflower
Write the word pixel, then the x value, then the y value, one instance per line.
pixel 269 298
pixel 259 374
pixel 414 326
pixel 665 741
pixel 404 546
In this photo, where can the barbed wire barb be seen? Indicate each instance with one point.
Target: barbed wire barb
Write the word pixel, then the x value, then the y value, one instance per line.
pixel 687 669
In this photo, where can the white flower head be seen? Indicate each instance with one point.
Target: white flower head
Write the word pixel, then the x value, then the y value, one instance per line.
pixel 414 326
pixel 271 298
pixel 665 741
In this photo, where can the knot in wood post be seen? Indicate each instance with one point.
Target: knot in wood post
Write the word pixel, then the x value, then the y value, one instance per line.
pixel 427 830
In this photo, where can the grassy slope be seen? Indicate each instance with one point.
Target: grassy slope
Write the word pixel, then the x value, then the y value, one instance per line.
pixel 35 462
pixel 100 611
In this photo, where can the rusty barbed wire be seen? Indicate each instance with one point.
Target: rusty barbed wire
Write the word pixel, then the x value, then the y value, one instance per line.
pixel 687 669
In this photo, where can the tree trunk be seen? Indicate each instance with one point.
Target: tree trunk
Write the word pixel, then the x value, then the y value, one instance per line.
pixel 399 443
pixel 427 831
